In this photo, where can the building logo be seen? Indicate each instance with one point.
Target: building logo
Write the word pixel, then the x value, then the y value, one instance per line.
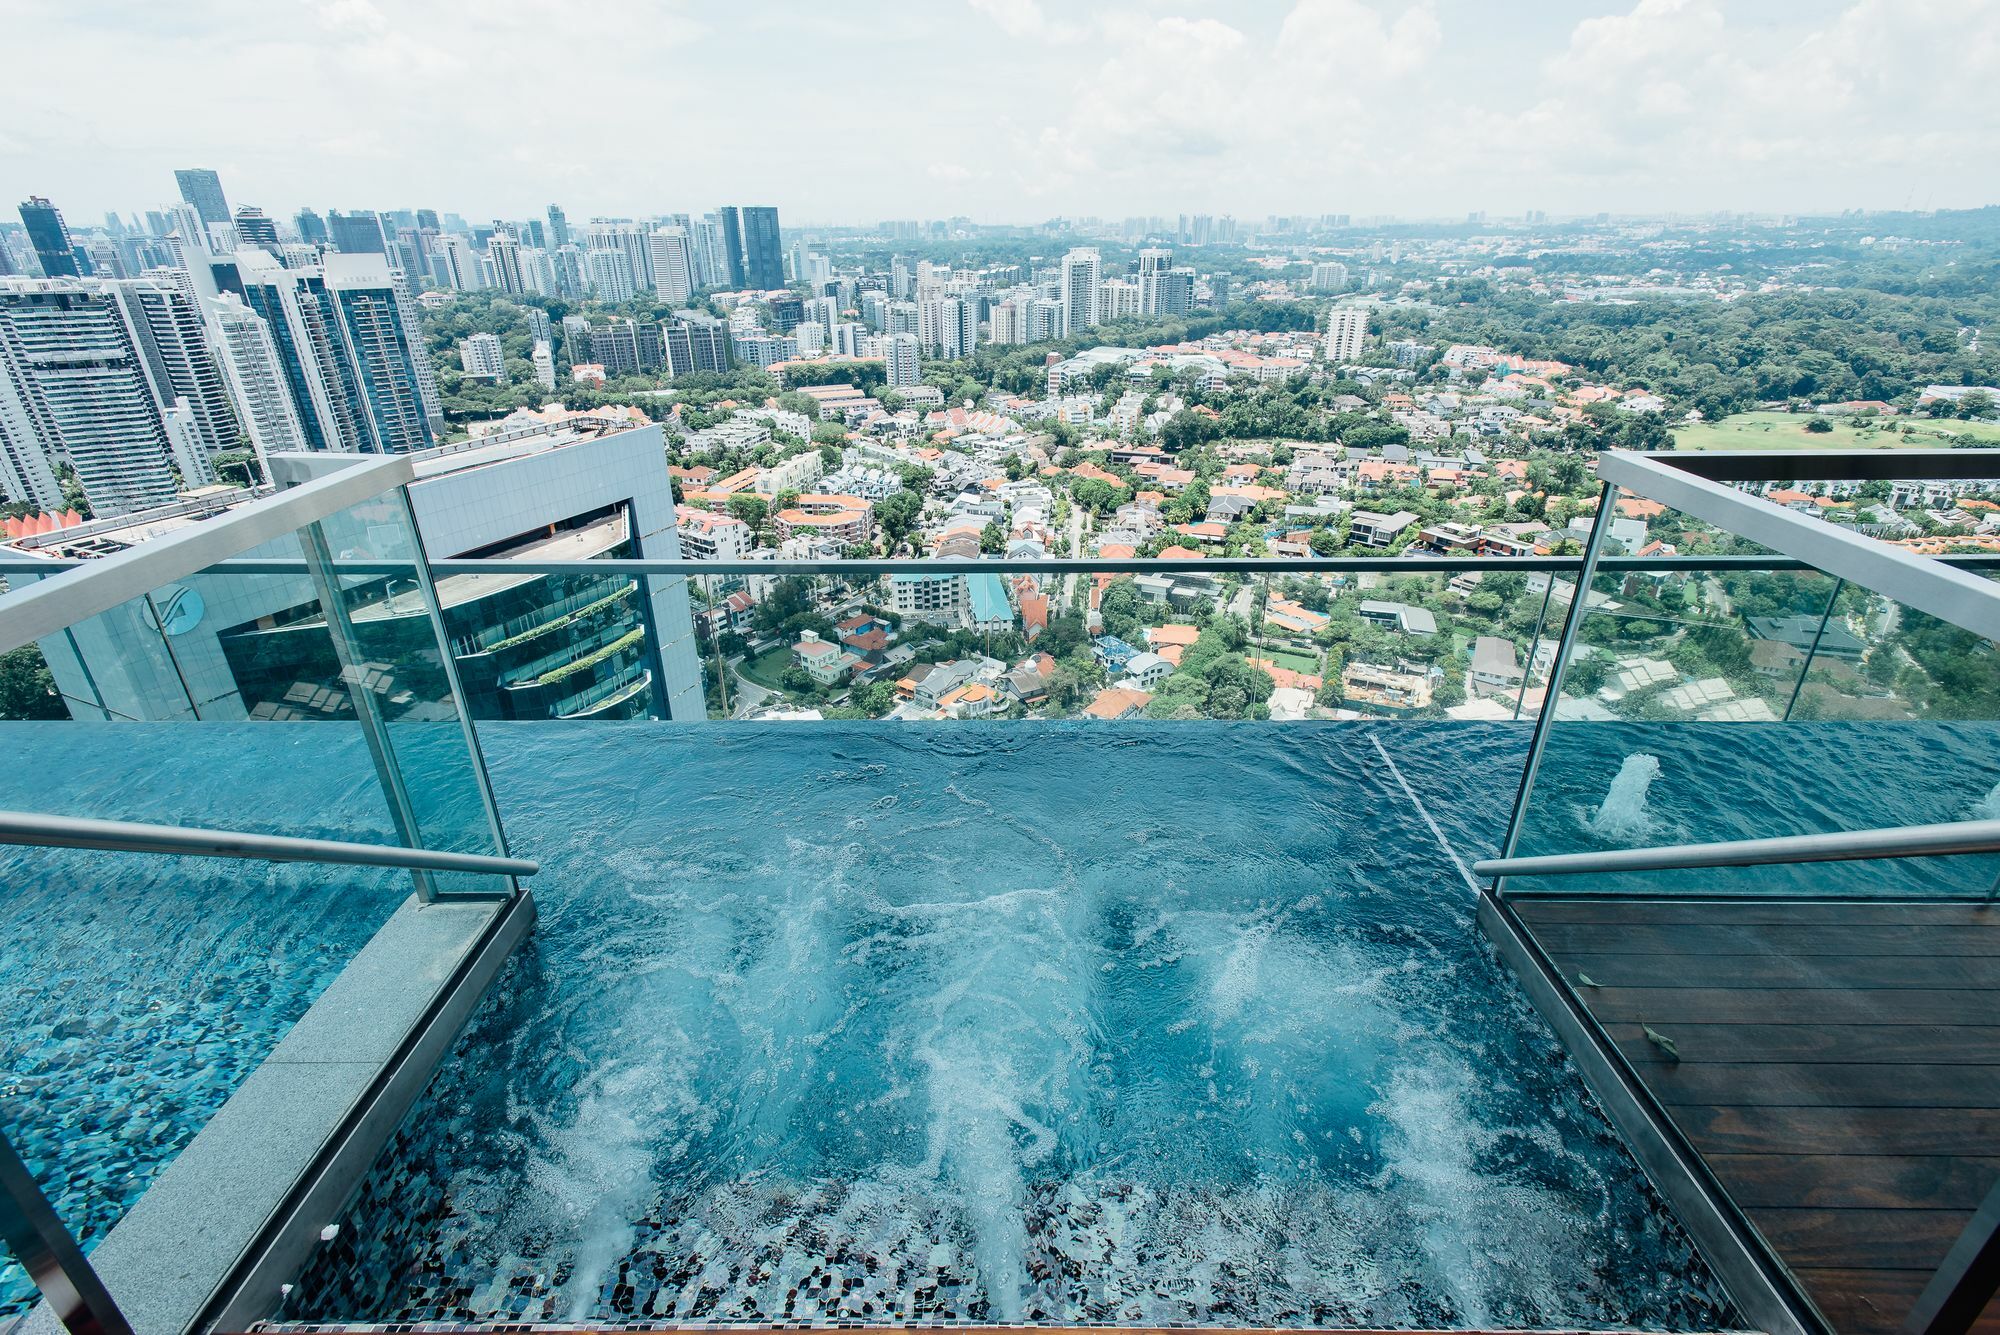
pixel 177 609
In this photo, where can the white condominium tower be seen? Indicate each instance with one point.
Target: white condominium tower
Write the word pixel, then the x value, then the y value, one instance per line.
pixel 673 264
pixel 256 379
pixel 1346 333
pixel 1079 289
pixel 899 356
pixel 481 357
pixel 74 385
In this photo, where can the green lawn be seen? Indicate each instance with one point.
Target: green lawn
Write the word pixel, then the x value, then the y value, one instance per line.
pixel 766 668
pixel 1787 431
pixel 1286 658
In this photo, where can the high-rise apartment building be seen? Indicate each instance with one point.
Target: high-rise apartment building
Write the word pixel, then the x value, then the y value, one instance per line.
pixel 504 252
pixel 899 359
pixel 481 357
pixel 253 228
pixel 947 327
pixel 76 387
pixel 357 233
pixel 312 227
pixel 696 341
pixel 673 264
pixel 1166 292
pixel 1009 323
pixel 170 330
pixel 558 227
pixel 611 275
pixel 1346 333
pixel 256 378
pixel 1079 289
pixel 59 256
pixel 1330 276
pixel 202 189
pixel 544 362
pixel 462 269
pixel 350 350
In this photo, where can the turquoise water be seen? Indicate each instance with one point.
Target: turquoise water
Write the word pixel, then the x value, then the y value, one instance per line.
pixel 1183 1022
pixel 137 993
pixel 1051 1022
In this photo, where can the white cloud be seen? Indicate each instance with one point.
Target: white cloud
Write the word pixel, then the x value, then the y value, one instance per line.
pixel 1027 18
pixel 1008 109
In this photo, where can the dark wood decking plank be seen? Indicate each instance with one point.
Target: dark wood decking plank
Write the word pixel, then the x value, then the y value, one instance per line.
pixel 1786 939
pixel 1885 1131
pixel 1862 1302
pixel 1710 912
pixel 1821 1084
pixel 1894 1044
pixel 1784 973
pixel 1861 1239
pixel 1856 1181
pixel 1822 1005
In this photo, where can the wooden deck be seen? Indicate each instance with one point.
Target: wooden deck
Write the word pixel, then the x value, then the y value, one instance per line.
pixel 1837 1065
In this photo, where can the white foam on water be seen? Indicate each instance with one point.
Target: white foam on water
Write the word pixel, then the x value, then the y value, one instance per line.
pixel 1987 807
pixel 1622 816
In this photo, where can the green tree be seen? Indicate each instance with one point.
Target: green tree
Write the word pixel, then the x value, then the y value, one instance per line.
pixel 27 691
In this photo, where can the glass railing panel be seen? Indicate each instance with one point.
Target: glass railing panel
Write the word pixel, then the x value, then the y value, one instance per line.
pixel 1179 643
pixel 1739 695
pixel 388 637
pixel 141 991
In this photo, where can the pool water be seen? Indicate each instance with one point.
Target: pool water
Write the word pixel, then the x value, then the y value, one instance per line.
pixel 137 993
pixel 1060 1023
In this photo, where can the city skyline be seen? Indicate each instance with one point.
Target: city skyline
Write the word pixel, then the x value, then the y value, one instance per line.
pixel 1418 110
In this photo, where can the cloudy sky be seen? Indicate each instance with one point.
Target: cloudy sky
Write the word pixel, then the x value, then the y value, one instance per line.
pixel 1007 110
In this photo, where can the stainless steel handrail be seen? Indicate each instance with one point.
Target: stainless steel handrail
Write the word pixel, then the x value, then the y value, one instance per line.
pixel 118 836
pixel 1901 841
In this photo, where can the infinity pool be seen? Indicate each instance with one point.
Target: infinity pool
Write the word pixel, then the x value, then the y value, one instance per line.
pixel 1059 1023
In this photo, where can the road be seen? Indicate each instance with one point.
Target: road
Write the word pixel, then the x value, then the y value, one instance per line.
pixel 745 695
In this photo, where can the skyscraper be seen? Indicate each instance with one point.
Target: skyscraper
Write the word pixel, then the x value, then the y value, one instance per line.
pixel 72 382
pixel 256 379
pixel 354 365
pixel 169 329
pixel 611 275
pixel 60 257
pixel 558 226
pixel 312 228
pixel 462 269
pixel 1346 333
pixel 254 229
pixel 202 188
pixel 763 256
pixel 505 253
pixel 1079 289
pixel 899 357
pixel 732 243
pixel 357 233
pixel 673 264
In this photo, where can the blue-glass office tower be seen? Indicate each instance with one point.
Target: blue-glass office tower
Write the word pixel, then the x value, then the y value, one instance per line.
pixel 357 233
pixel 202 188
pixel 349 349
pixel 47 232
pixel 763 256
pixel 312 228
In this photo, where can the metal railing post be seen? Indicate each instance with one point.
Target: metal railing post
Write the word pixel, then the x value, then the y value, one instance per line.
pixel 1812 649
pixel 1967 1280
pixel 1579 604
pixel 340 628
pixel 1534 644
pixel 50 1254
pixel 434 610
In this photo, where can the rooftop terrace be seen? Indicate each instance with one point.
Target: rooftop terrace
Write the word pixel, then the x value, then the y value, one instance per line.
pixel 1650 1007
